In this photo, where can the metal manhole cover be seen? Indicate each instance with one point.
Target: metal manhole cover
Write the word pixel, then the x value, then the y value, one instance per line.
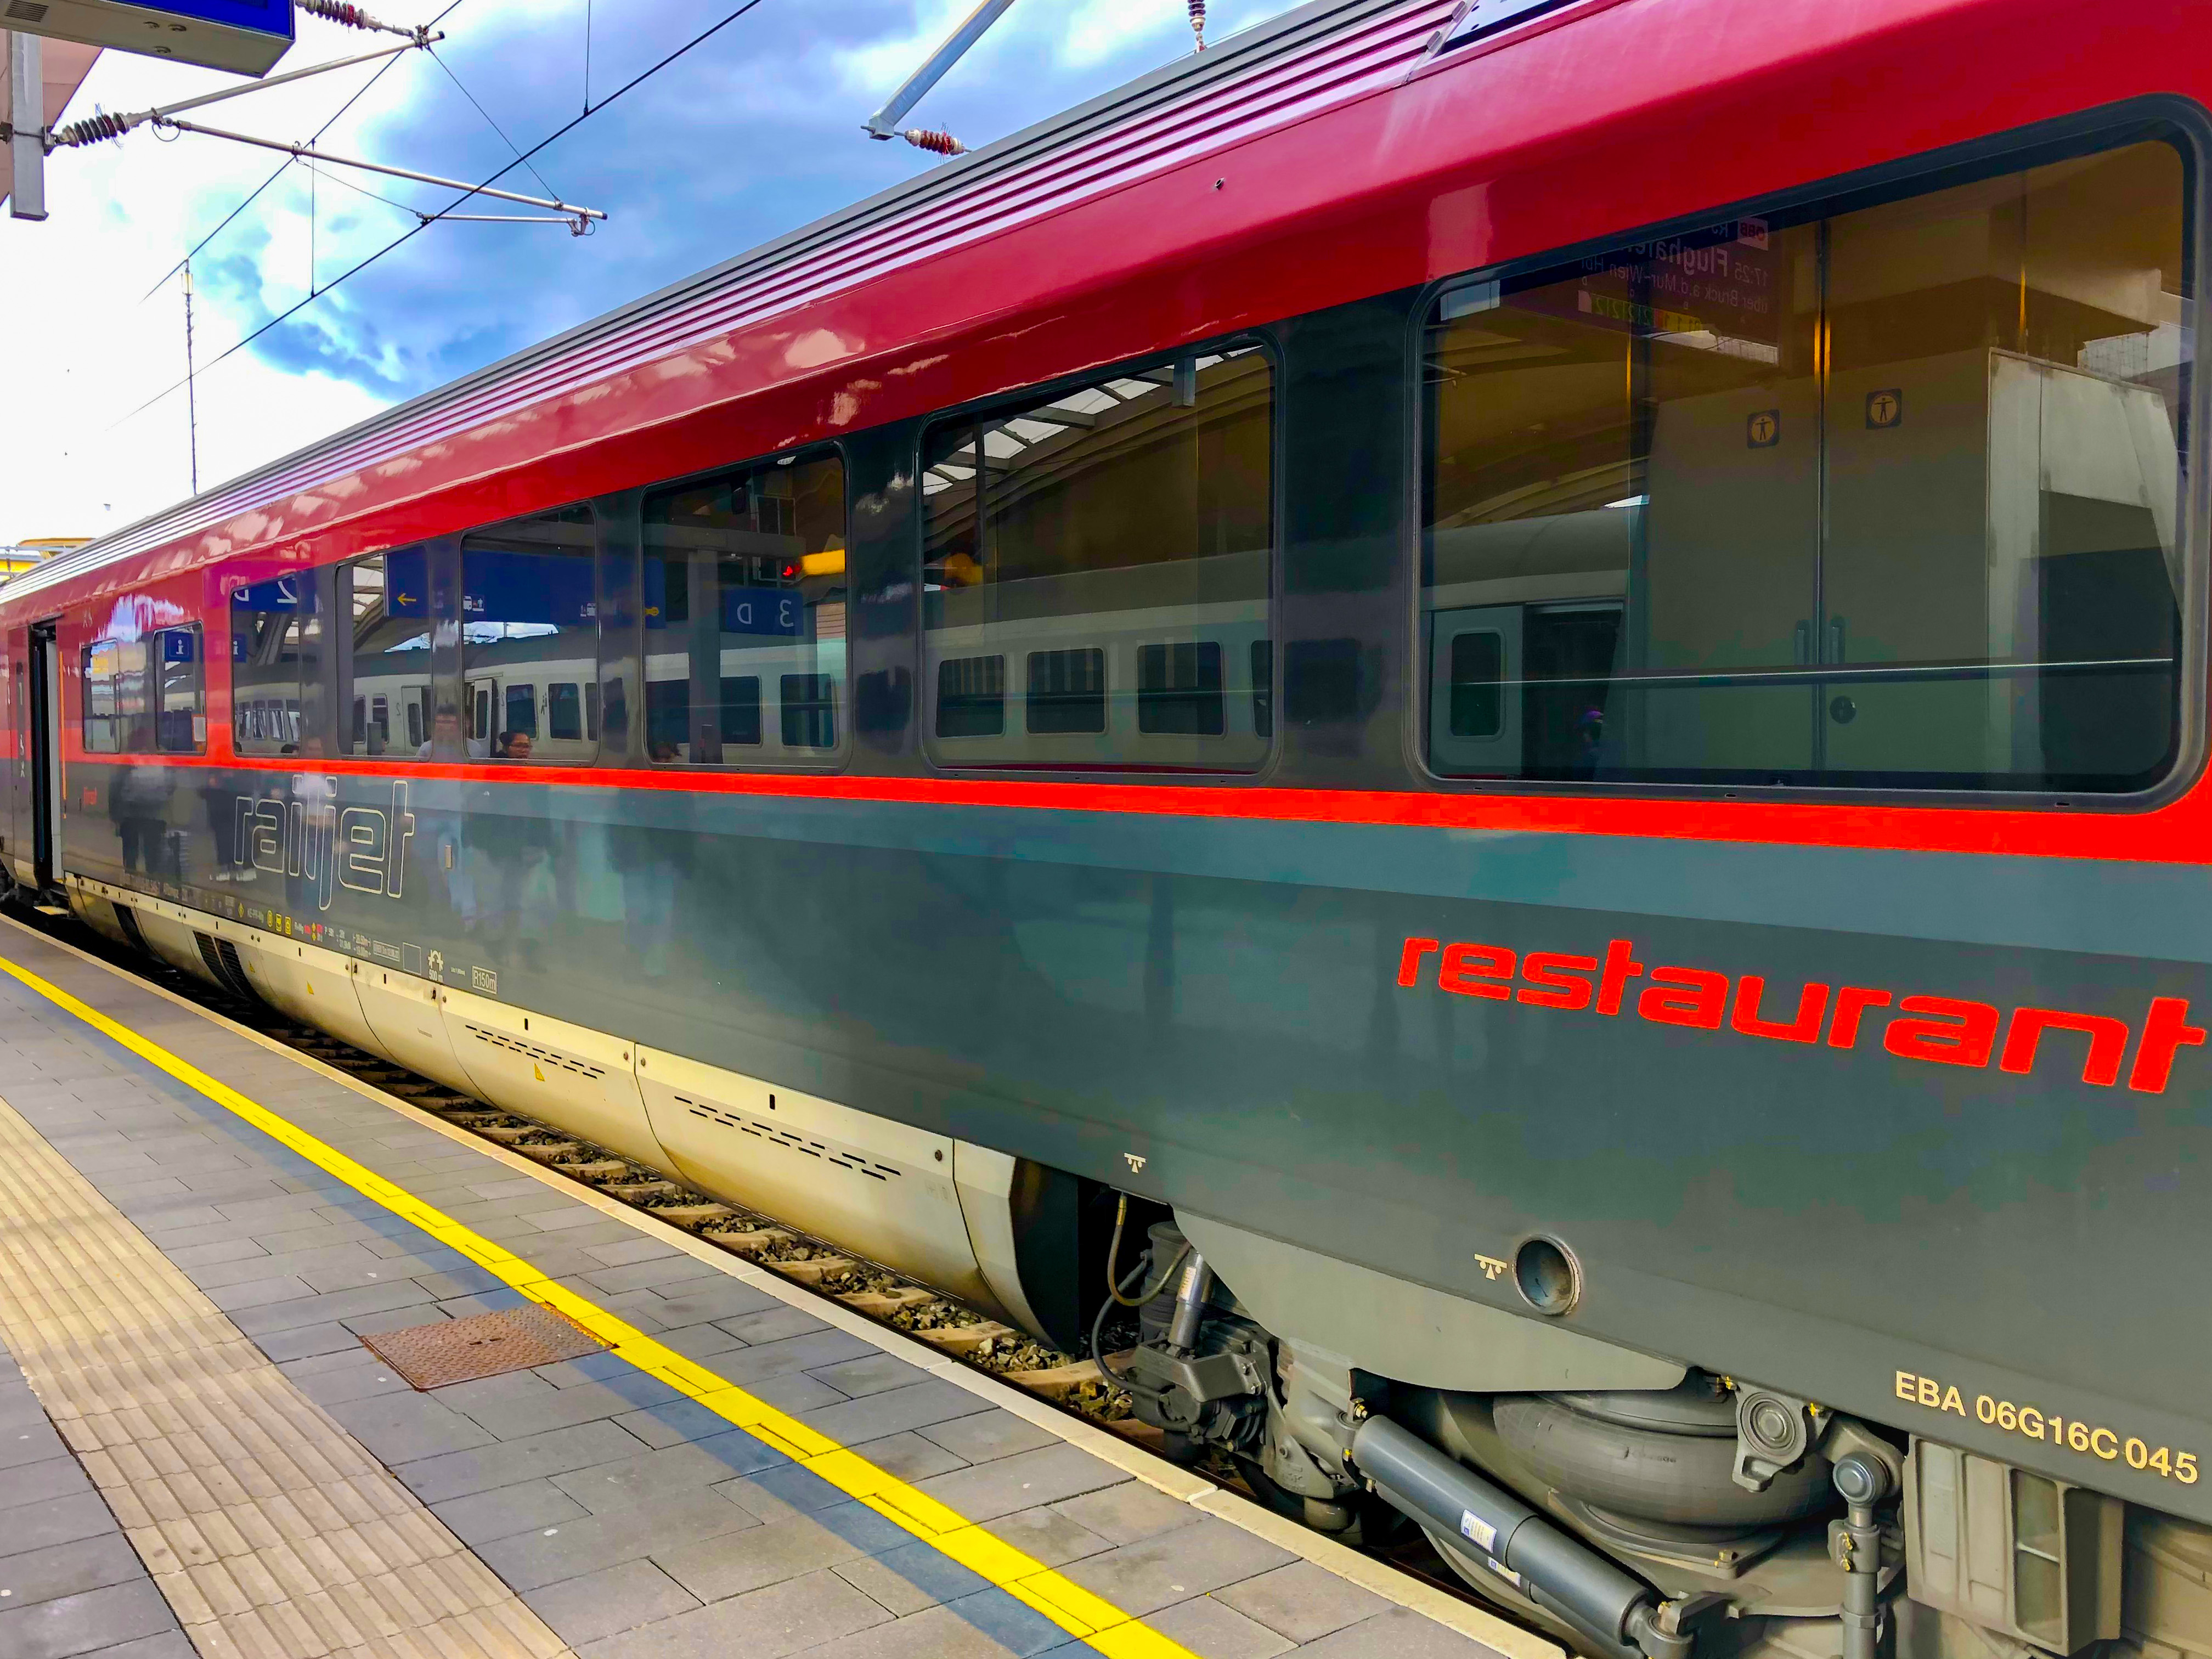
pixel 482 1345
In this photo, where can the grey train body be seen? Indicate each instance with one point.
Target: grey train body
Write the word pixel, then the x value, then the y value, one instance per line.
pixel 1208 1014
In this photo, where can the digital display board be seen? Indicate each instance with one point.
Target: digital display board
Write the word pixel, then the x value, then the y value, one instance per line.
pixel 246 36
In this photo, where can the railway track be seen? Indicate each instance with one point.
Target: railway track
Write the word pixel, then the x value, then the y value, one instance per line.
pixel 1077 1385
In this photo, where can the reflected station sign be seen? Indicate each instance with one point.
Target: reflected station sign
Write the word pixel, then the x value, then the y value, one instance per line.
pixel 244 36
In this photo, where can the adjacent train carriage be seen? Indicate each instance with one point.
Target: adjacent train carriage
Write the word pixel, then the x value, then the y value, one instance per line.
pixel 1503 707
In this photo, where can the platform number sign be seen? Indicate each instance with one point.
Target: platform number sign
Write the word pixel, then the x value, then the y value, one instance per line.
pixel 1763 430
pixel 1885 408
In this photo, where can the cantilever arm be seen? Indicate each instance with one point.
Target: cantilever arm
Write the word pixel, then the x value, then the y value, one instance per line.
pixel 884 123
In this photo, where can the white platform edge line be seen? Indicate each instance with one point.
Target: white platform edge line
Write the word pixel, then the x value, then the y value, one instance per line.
pixel 1345 1563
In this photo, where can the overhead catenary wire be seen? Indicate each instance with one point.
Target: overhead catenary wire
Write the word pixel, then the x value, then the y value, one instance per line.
pixel 495 125
pixel 254 195
pixel 558 133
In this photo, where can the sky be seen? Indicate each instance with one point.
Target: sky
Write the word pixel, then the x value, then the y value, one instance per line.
pixel 753 133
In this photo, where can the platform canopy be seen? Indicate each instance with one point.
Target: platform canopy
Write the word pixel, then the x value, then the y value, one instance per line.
pixel 244 36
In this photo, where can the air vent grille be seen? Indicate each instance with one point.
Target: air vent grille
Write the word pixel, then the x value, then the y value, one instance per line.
pixel 223 962
pixel 127 920
pixel 788 1138
pixel 532 1051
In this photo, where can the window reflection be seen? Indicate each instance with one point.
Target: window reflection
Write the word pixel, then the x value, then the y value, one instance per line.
pixel 1101 558
pixel 529 637
pixel 745 615
pixel 275 632
pixel 1887 497
pixel 388 598
pixel 179 698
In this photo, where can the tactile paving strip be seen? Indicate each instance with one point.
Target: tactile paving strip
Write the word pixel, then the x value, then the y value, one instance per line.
pixel 484 1345
pixel 272 1532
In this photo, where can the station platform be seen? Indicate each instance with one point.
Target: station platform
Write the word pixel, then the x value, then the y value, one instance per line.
pixel 198 1229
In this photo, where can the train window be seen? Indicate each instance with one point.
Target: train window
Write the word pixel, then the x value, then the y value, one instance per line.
pixel 1883 497
pixel 180 691
pixel 1114 540
pixel 809 707
pixel 1067 691
pixel 145 695
pixel 741 710
pixel 103 720
pixel 971 697
pixel 565 713
pixel 1179 688
pixel 388 598
pixel 275 632
pixel 745 589
pixel 529 616
pixel 522 710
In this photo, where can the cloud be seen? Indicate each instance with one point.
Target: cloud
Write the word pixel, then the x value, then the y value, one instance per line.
pixel 754 133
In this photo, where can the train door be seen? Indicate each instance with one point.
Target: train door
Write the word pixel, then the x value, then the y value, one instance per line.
pixel 1475 689
pixel 15 809
pixel 45 734
pixel 484 711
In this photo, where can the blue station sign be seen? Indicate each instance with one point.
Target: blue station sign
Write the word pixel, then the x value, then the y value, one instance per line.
pixel 244 36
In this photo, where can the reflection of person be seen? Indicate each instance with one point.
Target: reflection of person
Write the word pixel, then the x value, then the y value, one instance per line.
pixel 447 727
pixel 514 746
pixel 232 861
pixel 663 750
pixel 139 807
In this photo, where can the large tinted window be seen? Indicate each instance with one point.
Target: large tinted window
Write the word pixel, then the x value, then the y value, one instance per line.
pixel 1096 573
pixel 529 636
pixel 1882 497
pixel 274 634
pixel 745 615
pixel 145 695
pixel 388 706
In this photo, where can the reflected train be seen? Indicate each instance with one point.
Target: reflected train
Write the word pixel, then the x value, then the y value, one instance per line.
pixel 1501 705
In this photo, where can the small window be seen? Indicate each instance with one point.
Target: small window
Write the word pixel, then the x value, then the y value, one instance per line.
pixel 103 726
pixel 971 697
pixel 1179 689
pixel 1114 542
pixel 741 710
pixel 180 696
pixel 809 703
pixel 387 597
pixel 745 584
pixel 1478 673
pixel 565 713
pixel 1887 496
pixel 521 718
pixel 529 617
pixel 1067 691
pixel 275 632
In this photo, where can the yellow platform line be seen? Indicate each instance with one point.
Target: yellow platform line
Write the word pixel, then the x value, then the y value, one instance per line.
pixel 1076 1610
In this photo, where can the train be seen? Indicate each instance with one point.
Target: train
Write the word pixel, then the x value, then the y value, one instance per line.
pixel 1474 730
